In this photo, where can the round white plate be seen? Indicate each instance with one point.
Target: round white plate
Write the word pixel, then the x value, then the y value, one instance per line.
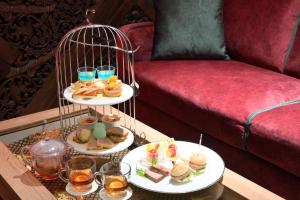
pixel 213 171
pixel 118 147
pixel 127 93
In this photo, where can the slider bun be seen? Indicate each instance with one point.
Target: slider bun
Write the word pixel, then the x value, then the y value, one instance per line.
pixel 116 131
pixel 198 159
pixel 179 169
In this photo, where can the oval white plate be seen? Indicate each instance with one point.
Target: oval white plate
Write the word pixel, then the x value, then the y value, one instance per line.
pixel 127 93
pixel 118 147
pixel 213 171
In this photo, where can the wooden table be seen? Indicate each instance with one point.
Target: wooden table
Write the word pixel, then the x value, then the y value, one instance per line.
pixel 16 182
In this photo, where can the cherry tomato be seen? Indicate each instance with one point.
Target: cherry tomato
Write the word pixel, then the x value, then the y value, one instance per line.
pixel 152 151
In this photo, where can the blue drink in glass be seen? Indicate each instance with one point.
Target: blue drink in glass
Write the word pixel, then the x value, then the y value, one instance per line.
pixel 86 73
pixel 105 71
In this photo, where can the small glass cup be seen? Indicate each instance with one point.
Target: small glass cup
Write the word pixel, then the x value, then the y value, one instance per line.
pixel 111 120
pixel 86 73
pixel 105 71
pixel 114 176
pixel 79 173
pixel 87 122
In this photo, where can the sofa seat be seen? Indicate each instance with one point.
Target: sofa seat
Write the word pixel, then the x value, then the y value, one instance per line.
pixel 216 97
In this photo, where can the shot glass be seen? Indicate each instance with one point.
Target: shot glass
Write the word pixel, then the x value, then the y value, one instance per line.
pixel 105 71
pixel 86 73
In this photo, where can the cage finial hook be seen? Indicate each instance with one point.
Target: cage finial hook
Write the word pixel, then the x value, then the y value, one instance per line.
pixel 87 13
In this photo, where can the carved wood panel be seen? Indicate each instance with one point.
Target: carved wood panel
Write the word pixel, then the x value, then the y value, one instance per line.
pixel 32 37
pixel 32 28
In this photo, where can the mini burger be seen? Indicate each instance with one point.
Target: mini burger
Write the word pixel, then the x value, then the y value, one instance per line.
pixel 197 161
pixel 181 173
pixel 116 134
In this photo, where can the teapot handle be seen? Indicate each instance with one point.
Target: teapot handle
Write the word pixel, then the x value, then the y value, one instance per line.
pixel 61 175
pixel 22 154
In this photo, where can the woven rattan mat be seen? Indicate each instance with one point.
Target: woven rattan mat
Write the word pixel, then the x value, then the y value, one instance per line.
pixel 57 187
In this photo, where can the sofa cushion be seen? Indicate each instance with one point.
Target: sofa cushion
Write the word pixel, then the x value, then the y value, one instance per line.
pixel 214 96
pixel 278 126
pixel 260 32
pixel 189 29
pixel 141 36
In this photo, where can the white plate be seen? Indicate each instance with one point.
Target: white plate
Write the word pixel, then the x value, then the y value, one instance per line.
pixel 213 171
pixel 118 147
pixel 127 93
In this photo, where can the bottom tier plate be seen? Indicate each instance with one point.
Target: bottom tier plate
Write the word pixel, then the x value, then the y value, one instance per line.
pixel 213 171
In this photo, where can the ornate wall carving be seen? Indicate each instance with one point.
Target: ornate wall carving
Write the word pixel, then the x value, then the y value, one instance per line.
pixel 32 34
pixel 31 29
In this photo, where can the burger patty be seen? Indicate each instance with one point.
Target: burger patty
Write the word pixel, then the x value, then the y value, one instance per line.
pixel 117 139
pixel 124 134
pixel 117 131
pixel 178 178
pixel 195 166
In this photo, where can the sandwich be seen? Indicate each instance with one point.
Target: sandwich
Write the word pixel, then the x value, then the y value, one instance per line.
pixel 116 134
pixel 153 176
pixel 197 161
pixel 160 169
pixel 105 143
pixel 92 144
pixel 86 93
pixel 87 90
pixel 181 173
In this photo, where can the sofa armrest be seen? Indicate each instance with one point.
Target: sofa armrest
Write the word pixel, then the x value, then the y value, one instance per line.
pixel 140 35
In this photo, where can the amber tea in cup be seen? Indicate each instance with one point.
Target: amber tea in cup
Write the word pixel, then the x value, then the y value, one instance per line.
pixel 115 184
pixel 114 177
pixel 81 177
pixel 80 172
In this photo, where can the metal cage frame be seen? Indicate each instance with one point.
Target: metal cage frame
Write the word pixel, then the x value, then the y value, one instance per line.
pixel 92 45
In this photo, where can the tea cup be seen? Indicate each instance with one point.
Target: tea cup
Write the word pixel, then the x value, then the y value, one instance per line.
pixel 79 172
pixel 114 177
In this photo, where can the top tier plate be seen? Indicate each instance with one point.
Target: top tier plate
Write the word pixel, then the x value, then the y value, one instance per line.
pixel 127 93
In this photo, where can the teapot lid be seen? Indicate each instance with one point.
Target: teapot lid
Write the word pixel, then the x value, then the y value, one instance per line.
pixel 48 146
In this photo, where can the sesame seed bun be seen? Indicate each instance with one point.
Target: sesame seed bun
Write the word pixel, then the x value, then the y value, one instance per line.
pixel 180 171
pixel 197 161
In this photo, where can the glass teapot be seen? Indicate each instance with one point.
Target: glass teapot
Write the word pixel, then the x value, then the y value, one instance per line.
pixel 47 157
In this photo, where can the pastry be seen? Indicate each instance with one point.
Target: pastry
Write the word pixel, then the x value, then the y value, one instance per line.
pixel 116 134
pixel 105 143
pixel 113 87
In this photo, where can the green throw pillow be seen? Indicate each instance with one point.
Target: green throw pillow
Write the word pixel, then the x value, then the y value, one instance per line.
pixel 189 29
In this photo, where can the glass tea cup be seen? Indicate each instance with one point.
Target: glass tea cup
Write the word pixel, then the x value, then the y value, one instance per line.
pixel 79 172
pixel 86 73
pixel 105 71
pixel 114 177
pixel 87 122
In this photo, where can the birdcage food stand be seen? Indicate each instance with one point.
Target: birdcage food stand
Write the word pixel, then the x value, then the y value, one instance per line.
pixel 99 51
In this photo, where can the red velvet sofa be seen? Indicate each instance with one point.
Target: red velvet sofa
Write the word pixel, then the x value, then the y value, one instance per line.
pixel 183 98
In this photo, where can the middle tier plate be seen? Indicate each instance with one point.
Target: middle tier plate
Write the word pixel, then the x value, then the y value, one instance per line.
pixel 82 148
pixel 127 93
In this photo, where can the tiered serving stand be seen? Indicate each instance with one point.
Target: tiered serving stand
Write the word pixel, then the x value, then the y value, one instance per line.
pixel 93 46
